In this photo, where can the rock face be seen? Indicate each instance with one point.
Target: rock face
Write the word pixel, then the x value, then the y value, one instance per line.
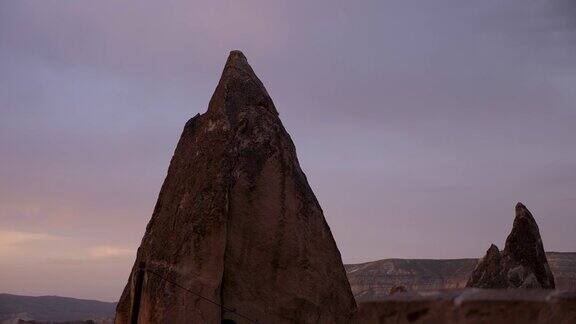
pixel 237 223
pixel 471 306
pixel 522 263
pixel 373 280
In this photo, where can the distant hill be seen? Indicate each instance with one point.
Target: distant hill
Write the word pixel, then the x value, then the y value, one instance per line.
pixel 563 266
pixel 53 309
pixel 369 281
pixel 373 280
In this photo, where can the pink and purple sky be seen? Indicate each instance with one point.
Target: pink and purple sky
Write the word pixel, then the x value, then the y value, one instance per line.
pixel 418 123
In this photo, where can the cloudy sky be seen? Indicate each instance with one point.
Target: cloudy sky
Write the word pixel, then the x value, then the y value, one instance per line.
pixel 418 123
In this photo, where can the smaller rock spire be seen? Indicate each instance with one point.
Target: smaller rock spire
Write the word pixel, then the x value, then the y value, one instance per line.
pixel 522 263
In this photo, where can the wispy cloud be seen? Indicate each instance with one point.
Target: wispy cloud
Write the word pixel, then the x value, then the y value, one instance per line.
pixel 12 240
pixel 42 246
pixel 107 251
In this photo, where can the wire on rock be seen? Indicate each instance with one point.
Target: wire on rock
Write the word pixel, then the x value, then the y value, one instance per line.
pixel 232 310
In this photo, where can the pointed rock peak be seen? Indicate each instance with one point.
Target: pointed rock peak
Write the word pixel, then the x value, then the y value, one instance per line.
pixel 493 250
pixel 488 271
pixel 522 263
pixel 239 89
pixel 524 245
pixel 525 234
pixel 520 205
pixel 236 57
pixel 524 221
pixel 522 211
pixel 493 255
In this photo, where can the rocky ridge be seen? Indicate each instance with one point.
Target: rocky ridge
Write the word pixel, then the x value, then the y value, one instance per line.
pixel 373 280
pixel 472 305
pixel 53 309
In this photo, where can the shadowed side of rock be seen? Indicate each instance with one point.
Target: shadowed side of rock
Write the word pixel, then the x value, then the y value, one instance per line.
pixel 237 222
pixel 522 263
pixel 489 272
pixel 525 248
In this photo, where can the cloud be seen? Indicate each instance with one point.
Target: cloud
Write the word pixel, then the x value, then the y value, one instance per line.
pixel 107 251
pixel 13 240
pixel 65 250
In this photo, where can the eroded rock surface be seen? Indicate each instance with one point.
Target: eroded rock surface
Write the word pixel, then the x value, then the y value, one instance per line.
pixel 373 280
pixel 471 305
pixel 522 263
pixel 237 222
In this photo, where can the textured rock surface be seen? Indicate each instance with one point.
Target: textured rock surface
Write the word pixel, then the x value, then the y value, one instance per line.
pixel 522 263
pixel 373 280
pixel 237 222
pixel 471 306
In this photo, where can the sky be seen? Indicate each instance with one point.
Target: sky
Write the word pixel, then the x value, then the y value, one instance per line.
pixel 419 124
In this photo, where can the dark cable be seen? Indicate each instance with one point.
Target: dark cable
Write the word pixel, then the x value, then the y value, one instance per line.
pixel 232 310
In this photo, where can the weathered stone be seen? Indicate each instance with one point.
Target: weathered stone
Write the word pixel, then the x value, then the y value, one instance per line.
pixel 237 222
pixel 373 280
pixel 489 272
pixel 522 263
pixel 471 305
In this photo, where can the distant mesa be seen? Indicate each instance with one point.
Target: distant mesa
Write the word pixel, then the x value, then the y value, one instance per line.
pixel 237 224
pixel 522 263
pixel 54 309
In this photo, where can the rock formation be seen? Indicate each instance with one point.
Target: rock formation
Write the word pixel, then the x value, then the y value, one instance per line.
pixel 373 280
pixel 522 263
pixel 466 306
pixel 237 223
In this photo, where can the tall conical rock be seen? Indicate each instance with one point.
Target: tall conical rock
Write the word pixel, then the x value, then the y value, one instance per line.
pixel 236 222
pixel 522 263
